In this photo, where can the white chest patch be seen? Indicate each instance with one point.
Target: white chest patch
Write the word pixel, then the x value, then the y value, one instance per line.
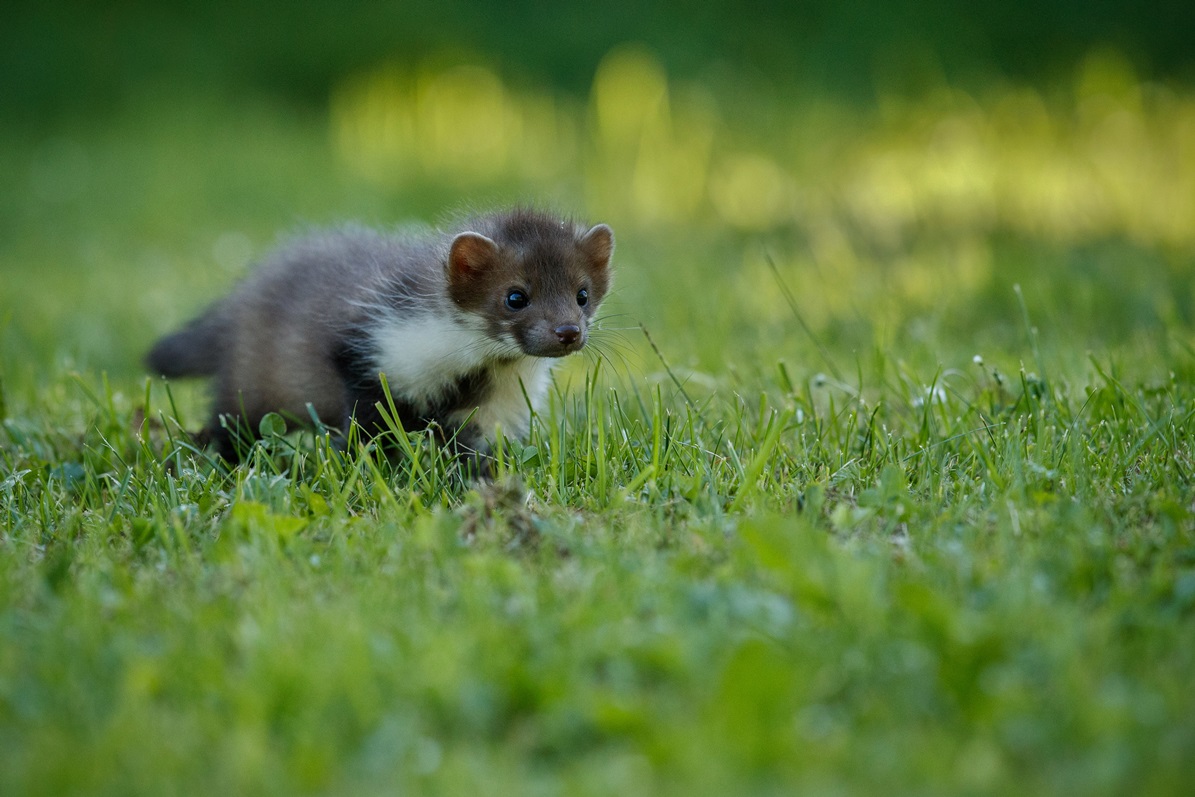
pixel 506 405
pixel 423 356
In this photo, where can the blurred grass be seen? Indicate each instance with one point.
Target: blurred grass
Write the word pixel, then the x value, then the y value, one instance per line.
pixel 906 224
pixel 928 527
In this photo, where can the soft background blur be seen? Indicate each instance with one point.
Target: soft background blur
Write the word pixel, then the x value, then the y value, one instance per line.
pixel 902 164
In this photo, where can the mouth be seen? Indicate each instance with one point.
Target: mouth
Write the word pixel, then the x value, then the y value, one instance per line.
pixel 553 349
pixel 554 342
pixel 559 350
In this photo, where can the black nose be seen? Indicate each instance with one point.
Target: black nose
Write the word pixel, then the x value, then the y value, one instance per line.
pixel 568 334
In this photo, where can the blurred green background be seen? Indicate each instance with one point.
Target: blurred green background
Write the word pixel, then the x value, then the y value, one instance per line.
pixel 981 560
pixel 902 165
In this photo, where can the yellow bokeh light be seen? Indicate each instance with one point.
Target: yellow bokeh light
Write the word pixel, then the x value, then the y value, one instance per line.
pixel 466 123
pixel 629 90
pixel 751 192
pixel 1119 161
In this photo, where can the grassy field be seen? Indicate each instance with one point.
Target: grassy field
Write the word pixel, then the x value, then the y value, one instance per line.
pixel 878 477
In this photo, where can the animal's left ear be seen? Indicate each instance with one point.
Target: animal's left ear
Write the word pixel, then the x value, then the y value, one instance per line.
pixel 598 246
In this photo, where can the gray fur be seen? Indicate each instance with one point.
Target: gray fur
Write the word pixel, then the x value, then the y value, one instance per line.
pixel 277 342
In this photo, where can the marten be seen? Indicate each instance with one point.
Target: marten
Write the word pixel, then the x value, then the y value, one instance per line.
pixel 464 324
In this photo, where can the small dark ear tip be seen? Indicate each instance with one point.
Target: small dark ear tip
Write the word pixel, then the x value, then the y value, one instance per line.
pixel 473 240
pixel 601 230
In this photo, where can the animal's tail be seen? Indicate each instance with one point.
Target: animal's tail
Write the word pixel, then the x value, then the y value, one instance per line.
pixel 195 350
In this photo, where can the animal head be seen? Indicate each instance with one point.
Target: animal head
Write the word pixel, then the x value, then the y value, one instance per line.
pixel 533 279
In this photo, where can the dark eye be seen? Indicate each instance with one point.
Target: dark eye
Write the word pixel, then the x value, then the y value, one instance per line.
pixel 517 300
pixel 582 297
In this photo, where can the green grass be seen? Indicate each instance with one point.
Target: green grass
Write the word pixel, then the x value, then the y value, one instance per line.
pixel 925 524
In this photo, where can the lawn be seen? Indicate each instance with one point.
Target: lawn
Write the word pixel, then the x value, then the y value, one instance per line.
pixel 876 479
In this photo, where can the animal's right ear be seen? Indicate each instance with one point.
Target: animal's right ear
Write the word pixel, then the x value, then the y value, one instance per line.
pixel 471 254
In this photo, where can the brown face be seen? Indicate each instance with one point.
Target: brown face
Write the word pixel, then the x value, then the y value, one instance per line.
pixel 537 293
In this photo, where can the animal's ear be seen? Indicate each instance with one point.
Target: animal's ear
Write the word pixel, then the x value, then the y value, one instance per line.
pixel 471 254
pixel 598 246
